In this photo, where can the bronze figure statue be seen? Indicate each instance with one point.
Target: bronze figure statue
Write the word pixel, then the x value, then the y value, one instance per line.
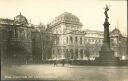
pixel 106 14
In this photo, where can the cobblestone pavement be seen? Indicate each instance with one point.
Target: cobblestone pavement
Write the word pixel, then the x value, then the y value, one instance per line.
pixel 50 72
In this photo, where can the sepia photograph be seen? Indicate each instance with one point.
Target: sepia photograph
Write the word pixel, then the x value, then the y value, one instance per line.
pixel 64 40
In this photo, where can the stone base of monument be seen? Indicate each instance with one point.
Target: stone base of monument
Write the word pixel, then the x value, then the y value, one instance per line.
pixel 107 58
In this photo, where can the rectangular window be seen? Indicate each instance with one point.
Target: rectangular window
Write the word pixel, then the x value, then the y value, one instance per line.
pixel 53 51
pixel 81 53
pixel 67 40
pixel 81 40
pixel 76 53
pixel 76 39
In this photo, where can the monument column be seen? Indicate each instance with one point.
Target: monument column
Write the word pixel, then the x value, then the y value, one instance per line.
pixel 106 41
pixel 106 55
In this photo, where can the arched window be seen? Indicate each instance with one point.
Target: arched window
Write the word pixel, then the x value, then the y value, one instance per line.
pixel 71 53
pixel 67 40
pixel 67 54
pixel 71 39
pixel 76 39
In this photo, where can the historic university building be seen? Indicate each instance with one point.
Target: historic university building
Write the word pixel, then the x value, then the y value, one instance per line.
pixel 63 38
pixel 74 43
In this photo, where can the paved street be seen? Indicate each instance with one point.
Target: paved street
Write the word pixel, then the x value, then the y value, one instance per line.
pixel 49 72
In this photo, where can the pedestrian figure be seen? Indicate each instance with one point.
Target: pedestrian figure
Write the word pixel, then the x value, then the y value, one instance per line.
pixel 63 62
pixel 55 63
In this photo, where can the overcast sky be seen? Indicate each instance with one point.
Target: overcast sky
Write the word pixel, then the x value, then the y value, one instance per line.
pixel 90 13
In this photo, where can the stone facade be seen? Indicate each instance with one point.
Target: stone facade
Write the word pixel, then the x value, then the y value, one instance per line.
pixel 118 43
pixel 63 38
pixel 74 43
pixel 15 40
pixel 22 42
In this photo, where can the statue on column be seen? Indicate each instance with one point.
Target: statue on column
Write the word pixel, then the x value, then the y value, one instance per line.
pixel 106 30
pixel 106 14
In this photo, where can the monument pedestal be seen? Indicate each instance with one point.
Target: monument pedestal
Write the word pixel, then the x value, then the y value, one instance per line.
pixel 107 58
pixel 106 55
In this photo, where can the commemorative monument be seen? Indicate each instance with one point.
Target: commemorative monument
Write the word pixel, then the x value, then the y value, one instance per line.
pixel 106 55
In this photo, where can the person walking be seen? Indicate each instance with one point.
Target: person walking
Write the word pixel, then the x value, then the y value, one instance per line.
pixel 63 63
pixel 55 63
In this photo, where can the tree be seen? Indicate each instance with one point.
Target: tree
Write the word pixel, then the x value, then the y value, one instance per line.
pixel 88 49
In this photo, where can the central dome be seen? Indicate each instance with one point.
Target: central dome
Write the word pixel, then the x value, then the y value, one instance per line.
pixel 66 16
